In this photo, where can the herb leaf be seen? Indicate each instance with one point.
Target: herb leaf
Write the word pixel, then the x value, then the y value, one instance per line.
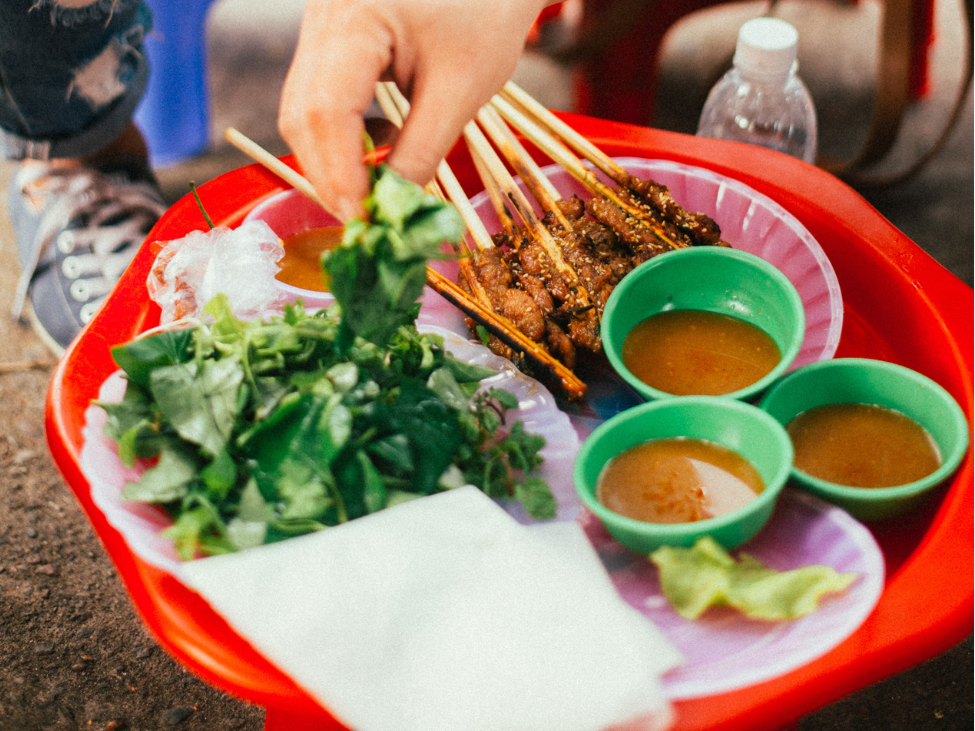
pixel 379 270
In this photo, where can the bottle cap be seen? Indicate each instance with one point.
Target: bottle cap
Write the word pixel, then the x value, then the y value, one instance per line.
pixel 766 47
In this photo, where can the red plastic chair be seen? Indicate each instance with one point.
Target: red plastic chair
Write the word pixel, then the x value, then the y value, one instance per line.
pixel 618 51
pixel 900 305
pixel 615 58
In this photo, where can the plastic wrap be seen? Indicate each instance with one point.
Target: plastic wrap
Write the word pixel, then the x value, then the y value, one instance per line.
pixel 240 263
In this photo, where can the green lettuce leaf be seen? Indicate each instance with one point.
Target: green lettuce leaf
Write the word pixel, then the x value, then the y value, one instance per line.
pixel 199 402
pixel 168 480
pixel 705 575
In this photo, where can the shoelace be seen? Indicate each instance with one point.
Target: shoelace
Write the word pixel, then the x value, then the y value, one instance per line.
pixel 71 193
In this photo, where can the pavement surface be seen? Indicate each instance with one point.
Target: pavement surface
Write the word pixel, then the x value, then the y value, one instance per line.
pixel 73 653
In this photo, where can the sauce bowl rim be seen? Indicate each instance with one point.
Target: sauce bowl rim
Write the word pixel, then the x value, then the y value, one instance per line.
pixel 949 462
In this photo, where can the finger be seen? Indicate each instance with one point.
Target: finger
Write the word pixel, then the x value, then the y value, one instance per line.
pixel 448 80
pixel 325 95
pixel 439 110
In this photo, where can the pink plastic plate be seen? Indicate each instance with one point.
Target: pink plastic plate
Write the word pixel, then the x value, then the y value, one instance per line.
pixel 289 213
pixel 749 221
pixel 723 649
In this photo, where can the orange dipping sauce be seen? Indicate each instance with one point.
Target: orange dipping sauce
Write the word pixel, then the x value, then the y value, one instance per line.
pixel 677 480
pixel 301 265
pixel 695 352
pixel 862 445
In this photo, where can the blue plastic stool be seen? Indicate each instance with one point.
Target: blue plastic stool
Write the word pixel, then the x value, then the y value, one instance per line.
pixel 174 114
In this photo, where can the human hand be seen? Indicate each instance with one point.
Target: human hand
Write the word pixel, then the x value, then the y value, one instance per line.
pixel 448 56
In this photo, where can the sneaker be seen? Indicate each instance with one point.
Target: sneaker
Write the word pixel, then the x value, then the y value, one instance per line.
pixel 77 230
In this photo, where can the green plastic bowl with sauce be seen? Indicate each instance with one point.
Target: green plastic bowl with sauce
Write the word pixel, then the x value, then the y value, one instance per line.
pixel 715 279
pixel 732 424
pixel 877 382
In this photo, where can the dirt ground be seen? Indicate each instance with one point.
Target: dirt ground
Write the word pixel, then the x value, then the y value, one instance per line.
pixel 73 653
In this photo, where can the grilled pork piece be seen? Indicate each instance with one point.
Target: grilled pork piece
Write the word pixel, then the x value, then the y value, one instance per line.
pixel 527 289
pixel 699 228
pixel 531 260
pixel 521 298
pixel 605 245
pixel 643 243
pixel 518 306
pixel 592 265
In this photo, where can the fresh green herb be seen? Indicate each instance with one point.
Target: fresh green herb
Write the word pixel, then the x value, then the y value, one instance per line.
pixel 379 270
pixel 263 430
pixel 258 431
pixel 199 204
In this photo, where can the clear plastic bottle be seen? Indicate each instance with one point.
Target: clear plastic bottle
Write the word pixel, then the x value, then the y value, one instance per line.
pixel 761 100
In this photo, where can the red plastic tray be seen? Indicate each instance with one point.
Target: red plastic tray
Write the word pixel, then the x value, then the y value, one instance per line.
pixel 900 305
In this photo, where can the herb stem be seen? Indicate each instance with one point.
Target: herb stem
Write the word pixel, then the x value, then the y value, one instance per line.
pixel 199 203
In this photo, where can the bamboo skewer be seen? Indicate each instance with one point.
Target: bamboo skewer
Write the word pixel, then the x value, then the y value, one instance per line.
pixel 535 180
pixel 517 103
pixel 573 165
pixel 393 104
pixel 498 201
pixel 479 146
pixel 551 146
pixel 512 337
pixel 514 93
pixel 498 174
pixel 554 148
pixel 259 154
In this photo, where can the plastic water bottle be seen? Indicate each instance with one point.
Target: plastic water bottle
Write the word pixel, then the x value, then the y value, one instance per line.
pixel 761 100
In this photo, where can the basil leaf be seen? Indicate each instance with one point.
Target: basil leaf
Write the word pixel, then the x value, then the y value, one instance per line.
pixel 200 403
pixel 168 480
pixel 467 372
pixel 432 428
pixel 140 357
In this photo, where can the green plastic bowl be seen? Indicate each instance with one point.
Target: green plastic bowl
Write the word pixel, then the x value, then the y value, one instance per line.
pixel 865 381
pixel 713 278
pixel 738 426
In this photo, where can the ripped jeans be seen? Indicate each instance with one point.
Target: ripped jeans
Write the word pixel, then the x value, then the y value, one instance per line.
pixel 71 74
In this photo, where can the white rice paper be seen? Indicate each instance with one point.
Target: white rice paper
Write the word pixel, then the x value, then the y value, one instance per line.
pixel 446 613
